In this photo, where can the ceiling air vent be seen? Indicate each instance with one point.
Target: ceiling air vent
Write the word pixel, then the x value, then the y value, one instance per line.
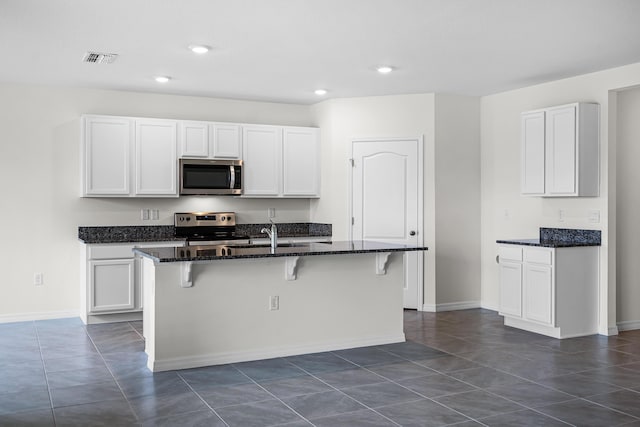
pixel 99 58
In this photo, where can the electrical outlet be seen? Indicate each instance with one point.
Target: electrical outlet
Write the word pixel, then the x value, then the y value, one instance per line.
pixel 594 216
pixel 274 303
pixel 38 279
pixel 155 214
pixel 144 214
pixel 561 215
pixel 271 212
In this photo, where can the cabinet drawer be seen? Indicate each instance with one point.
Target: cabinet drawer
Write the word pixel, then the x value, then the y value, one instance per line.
pixel 511 253
pixel 538 256
pixel 110 251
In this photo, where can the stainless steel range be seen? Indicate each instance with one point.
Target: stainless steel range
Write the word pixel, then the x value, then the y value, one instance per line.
pixel 208 228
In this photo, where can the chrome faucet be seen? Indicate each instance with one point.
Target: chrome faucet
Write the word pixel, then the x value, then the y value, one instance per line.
pixel 273 234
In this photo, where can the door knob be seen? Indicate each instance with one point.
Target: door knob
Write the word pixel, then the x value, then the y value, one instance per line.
pixel 412 233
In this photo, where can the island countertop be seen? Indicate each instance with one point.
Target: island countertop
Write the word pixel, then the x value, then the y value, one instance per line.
pixel 221 252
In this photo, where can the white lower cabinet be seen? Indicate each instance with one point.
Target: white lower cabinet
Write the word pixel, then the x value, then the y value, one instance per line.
pixel 111 280
pixel 550 291
pixel 112 285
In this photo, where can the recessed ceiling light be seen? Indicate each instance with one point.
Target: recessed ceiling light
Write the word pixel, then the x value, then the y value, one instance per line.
pixel 199 48
pixel 320 92
pixel 385 69
pixel 163 79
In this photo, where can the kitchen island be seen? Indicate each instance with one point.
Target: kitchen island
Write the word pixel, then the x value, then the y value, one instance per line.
pixel 208 305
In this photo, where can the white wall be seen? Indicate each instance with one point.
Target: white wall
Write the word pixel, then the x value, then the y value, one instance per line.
pixel 39 181
pixel 449 126
pixel 627 208
pixel 505 214
pixel 457 202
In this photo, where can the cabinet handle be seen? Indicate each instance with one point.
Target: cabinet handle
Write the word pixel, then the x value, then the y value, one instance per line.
pixel 497 259
pixel 412 233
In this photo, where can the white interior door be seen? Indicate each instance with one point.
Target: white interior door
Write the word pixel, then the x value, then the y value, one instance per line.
pixel 386 201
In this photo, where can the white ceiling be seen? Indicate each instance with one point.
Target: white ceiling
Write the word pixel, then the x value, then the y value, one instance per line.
pixel 282 50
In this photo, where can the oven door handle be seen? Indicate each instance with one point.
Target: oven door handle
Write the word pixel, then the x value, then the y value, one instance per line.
pixel 232 178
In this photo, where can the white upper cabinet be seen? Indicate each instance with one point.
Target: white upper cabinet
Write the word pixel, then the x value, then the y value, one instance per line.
pixel 301 165
pixel 560 151
pixel 106 156
pixel 533 153
pixel 194 139
pixel 262 160
pixel 128 157
pixel 156 158
pixel 281 161
pixel 226 140
pixel 210 140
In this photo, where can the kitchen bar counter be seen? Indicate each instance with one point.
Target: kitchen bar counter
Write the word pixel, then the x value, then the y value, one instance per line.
pixel 222 252
pixel 205 309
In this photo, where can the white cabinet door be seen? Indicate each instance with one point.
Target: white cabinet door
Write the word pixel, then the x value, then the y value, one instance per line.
pixel 538 293
pixel 194 139
pixel 226 141
pixel 156 159
pixel 560 151
pixel 106 143
pixel 262 154
pixel 561 155
pixel 301 162
pixel 511 288
pixel 533 153
pixel 111 285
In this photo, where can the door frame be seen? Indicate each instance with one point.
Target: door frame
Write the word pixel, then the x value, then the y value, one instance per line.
pixel 420 225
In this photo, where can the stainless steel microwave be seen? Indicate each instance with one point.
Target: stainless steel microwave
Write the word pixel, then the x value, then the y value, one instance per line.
pixel 206 177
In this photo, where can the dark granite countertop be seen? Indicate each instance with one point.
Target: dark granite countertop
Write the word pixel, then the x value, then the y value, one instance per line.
pixel 221 252
pixel 166 233
pixel 559 238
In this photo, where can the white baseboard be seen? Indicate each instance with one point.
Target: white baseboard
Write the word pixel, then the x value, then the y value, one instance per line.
pixel 237 357
pixel 629 325
pixel 47 315
pixel 490 307
pixel 451 306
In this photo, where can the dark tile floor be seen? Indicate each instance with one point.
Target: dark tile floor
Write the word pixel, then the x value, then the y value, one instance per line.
pixel 460 368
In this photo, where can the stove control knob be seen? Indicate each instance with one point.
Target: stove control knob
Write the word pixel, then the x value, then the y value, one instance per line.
pixel 223 218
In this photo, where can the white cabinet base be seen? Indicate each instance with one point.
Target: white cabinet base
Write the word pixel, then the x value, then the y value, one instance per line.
pixel 94 319
pixel 549 331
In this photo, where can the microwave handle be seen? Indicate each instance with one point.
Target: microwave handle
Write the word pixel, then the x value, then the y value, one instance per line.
pixel 232 180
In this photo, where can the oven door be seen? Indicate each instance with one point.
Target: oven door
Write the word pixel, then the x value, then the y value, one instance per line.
pixel 203 177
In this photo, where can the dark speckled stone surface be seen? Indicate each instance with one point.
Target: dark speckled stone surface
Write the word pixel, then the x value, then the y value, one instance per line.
pixel 560 238
pixel 163 233
pixel 291 229
pixel 212 252
pixel 126 234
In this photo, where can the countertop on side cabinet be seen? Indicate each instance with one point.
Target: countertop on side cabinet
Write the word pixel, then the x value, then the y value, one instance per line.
pixel 221 252
pixel 559 238
pixel 545 243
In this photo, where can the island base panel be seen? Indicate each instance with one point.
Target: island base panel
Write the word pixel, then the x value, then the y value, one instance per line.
pixel 336 302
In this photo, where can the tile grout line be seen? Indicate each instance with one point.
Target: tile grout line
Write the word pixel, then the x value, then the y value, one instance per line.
pixel 113 376
pixel 44 372
pixel 201 398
